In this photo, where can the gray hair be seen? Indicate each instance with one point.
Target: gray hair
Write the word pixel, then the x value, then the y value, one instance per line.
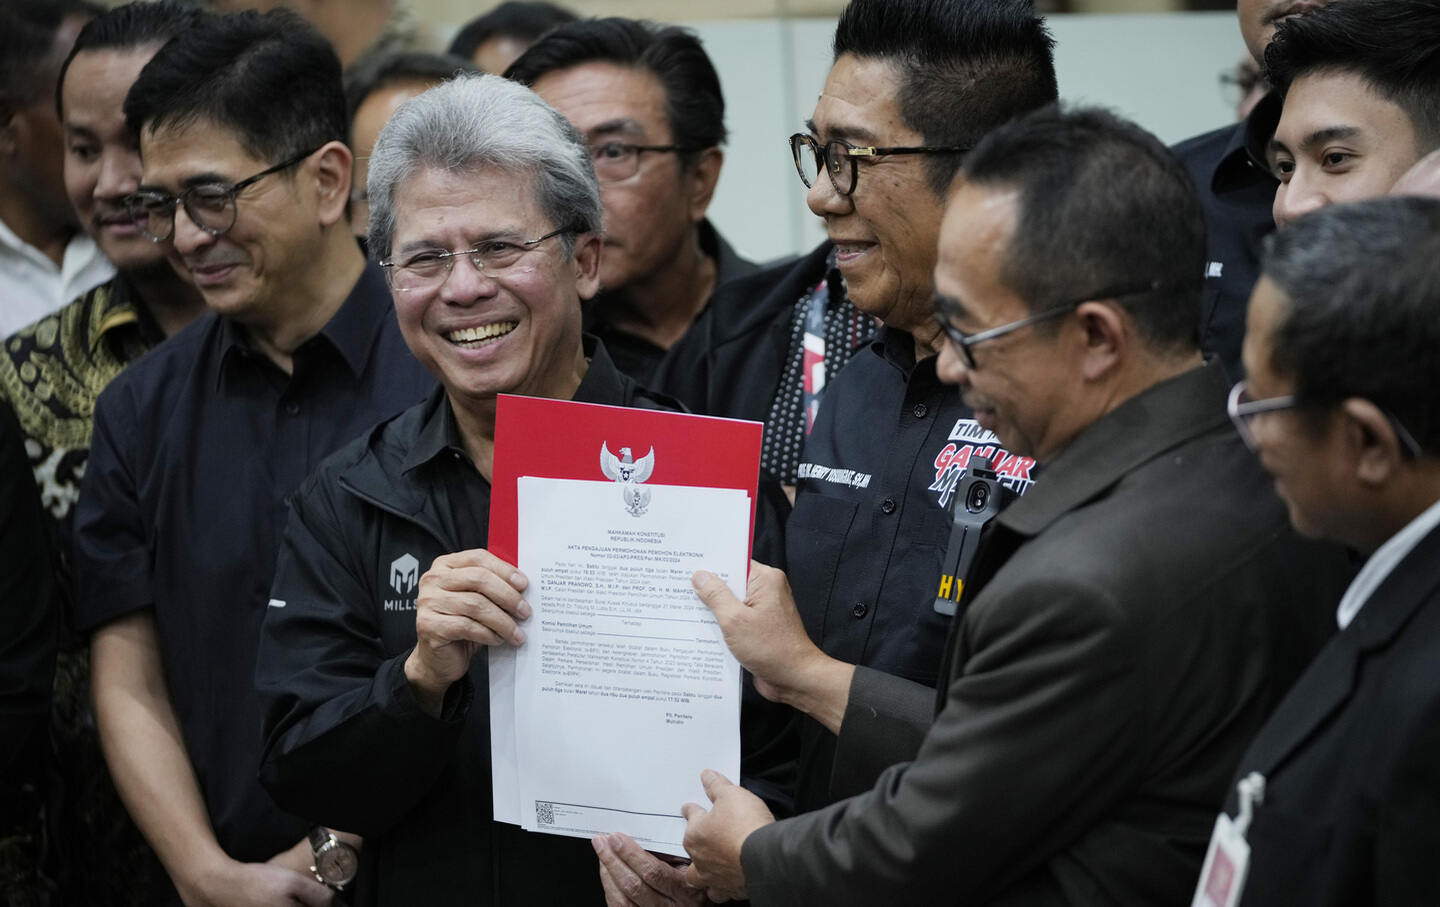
pixel 476 121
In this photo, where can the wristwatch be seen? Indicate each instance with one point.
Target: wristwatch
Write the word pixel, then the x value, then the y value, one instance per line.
pixel 335 861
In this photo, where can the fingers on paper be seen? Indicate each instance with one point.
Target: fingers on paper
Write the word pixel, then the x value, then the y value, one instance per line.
pixel 483 559
pixel 490 627
pixel 713 592
pixel 691 811
pixel 715 784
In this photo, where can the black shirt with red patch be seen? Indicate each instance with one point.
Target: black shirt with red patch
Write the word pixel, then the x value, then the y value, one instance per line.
pixel 871 520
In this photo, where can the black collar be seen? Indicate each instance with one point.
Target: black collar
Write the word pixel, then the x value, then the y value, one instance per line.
pixel 1244 162
pixel 350 332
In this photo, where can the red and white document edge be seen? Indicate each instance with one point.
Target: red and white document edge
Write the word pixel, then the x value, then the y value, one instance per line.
pixel 623 690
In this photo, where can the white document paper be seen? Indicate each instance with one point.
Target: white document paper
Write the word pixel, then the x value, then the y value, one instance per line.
pixel 624 689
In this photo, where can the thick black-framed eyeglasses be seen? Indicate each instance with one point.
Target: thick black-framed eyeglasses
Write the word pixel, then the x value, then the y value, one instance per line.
pixel 618 161
pixel 428 270
pixel 964 342
pixel 1243 410
pixel 837 158
pixel 210 206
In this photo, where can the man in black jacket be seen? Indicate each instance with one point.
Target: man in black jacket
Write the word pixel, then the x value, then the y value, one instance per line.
pixel 377 717
pixel 1342 406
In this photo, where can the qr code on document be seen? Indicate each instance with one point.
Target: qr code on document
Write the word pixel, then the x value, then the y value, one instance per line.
pixel 544 813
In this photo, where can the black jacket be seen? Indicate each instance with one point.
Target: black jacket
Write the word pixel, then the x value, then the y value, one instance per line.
pixel 1351 759
pixel 346 744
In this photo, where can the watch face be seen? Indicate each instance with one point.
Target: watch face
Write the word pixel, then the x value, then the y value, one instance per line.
pixel 337 865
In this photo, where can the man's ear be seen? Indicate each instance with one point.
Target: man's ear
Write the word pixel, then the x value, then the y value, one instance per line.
pixel 1106 335
pixel 1374 445
pixel 334 165
pixel 700 182
pixel 586 258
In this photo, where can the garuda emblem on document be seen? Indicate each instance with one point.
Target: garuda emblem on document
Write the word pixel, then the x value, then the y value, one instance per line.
pixel 629 474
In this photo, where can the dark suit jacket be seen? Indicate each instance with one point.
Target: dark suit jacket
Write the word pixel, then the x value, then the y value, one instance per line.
pixel 1351 759
pixel 1137 614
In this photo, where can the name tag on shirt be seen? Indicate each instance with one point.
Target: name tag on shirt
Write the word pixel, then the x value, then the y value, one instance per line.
pixel 1222 878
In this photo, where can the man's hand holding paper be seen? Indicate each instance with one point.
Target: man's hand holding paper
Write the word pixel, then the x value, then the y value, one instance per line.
pixel 466 600
pixel 765 634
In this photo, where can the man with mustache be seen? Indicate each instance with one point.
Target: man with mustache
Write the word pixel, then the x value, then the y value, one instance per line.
pixel 45 259
pixel 198 446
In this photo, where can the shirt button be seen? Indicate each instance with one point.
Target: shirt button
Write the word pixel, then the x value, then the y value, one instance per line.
pixel 292 408
pixel 860 610
pixel 887 505
pixel 920 410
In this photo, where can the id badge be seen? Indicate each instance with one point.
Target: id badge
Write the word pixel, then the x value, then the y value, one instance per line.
pixel 1222 878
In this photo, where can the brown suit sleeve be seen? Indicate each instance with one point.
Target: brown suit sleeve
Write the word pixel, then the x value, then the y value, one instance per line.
pixel 1051 670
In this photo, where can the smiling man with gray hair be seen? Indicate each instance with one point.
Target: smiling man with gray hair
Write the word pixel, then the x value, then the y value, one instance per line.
pixel 485 216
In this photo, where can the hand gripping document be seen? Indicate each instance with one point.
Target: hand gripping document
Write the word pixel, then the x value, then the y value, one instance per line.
pixel 623 690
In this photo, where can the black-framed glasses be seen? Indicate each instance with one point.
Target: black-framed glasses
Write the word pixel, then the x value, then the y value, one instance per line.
pixel 837 158
pixel 964 342
pixel 1243 410
pixel 427 270
pixel 210 206
pixel 617 161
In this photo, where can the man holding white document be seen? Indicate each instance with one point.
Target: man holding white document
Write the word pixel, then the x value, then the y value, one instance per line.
pixel 486 219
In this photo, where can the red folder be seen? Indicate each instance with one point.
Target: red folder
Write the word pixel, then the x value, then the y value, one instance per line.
pixel 561 439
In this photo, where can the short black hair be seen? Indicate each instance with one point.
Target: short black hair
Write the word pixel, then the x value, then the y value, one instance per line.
pixel 271 78
pixel 127 27
pixel 694 103
pixel 27 40
pixel 407 66
pixel 1360 320
pixel 1104 209
pixel 1393 45
pixel 525 21
pixel 965 67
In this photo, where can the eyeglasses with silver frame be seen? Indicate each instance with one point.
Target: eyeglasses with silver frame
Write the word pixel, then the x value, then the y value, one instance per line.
pixel 964 342
pixel 1243 412
pixel 428 269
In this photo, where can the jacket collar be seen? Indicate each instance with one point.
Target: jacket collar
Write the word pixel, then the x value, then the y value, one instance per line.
pixel 1138 430
pixel 1330 680
pixel 425 432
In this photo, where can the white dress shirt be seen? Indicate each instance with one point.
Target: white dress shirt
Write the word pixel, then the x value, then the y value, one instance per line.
pixel 31 286
pixel 1383 562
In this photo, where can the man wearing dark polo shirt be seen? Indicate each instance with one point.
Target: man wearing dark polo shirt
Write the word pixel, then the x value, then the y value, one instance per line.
pixel 647 99
pixel 198 445
pixel 870 525
pixel 486 216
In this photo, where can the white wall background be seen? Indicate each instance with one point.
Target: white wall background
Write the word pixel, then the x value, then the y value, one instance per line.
pixel 1160 70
